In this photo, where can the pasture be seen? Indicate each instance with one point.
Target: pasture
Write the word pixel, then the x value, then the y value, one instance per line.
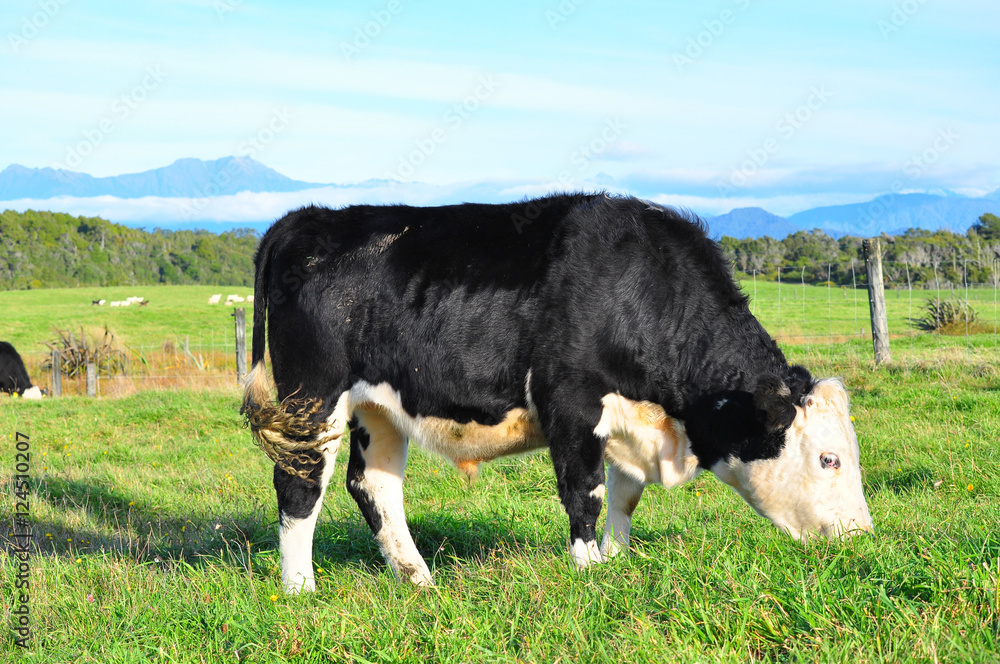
pixel 154 525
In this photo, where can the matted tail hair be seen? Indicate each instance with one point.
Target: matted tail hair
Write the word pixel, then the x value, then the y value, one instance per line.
pixel 284 430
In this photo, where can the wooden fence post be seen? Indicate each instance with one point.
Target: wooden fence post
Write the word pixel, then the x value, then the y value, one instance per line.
pixel 876 300
pixel 56 374
pixel 241 343
pixel 91 379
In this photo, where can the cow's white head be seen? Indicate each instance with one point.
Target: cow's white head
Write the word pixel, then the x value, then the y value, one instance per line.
pixel 810 483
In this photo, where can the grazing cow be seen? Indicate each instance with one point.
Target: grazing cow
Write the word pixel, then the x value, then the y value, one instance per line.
pixel 607 329
pixel 13 376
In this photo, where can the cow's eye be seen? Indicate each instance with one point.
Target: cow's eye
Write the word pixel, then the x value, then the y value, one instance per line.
pixel 829 460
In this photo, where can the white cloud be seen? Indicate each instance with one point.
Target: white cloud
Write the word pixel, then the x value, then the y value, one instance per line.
pixel 250 207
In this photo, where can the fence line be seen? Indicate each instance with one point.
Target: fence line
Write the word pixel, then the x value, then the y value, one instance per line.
pixel 208 356
pixel 906 301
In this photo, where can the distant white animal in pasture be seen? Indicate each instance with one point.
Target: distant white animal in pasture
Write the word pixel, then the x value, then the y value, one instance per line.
pixel 230 299
pixel 215 299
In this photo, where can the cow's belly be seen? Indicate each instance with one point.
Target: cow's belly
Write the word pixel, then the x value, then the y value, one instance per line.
pixel 641 439
pixel 466 444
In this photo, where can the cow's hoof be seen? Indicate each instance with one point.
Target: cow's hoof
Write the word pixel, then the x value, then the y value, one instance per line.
pixel 418 575
pixel 302 585
pixel 585 554
pixel 611 547
pixel 422 580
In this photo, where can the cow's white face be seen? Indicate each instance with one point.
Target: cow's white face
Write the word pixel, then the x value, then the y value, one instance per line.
pixel 813 487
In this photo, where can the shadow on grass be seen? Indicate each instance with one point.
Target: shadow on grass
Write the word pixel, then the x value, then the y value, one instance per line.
pixel 905 480
pixel 149 533
pixel 140 531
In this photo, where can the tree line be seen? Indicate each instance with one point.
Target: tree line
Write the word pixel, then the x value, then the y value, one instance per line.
pixel 921 258
pixel 52 249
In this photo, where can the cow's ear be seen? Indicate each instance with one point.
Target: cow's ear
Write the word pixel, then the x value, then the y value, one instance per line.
pixel 800 383
pixel 774 404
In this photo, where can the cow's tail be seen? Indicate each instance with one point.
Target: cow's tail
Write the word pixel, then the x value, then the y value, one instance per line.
pixel 285 430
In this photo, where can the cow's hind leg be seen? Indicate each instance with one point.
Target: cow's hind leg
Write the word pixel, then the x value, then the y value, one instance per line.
pixel 375 480
pixel 624 492
pixel 299 503
pixel 578 458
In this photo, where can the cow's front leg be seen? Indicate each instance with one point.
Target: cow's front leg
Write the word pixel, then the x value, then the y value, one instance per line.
pixel 578 457
pixel 375 480
pixel 299 503
pixel 624 492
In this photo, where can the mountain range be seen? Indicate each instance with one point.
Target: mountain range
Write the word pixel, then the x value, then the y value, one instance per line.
pixel 195 179
pixel 185 178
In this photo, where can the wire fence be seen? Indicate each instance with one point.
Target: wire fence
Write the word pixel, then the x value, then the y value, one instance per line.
pixel 829 313
pixel 818 319
pixel 202 359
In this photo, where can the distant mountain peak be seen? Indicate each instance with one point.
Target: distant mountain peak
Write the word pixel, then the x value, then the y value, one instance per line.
pixel 184 178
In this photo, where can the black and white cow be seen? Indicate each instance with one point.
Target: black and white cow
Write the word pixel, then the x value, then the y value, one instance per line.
pixel 13 376
pixel 603 328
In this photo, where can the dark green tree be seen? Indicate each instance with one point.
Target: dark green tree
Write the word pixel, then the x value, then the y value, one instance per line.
pixel 988 227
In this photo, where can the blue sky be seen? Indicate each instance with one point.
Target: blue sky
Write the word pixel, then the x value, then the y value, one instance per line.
pixel 710 104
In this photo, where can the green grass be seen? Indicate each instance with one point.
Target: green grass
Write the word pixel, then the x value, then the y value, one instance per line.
pixel 154 523
pixel 830 316
pixel 838 312
pixel 163 545
pixel 29 316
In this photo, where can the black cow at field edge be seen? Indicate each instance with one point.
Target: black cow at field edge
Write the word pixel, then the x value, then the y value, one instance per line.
pixel 13 376
pixel 604 328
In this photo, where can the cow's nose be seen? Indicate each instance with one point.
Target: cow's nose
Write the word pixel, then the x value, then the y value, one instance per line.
pixel 856 528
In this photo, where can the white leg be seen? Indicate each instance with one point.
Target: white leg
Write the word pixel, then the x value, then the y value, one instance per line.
pixel 624 492
pixel 299 504
pixel 295 537
pixel 585 554
pixel 375 479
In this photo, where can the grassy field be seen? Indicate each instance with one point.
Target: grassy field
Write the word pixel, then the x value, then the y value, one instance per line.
pixel 154 528
pixel 821 314
pixel 29 317
pixel 794 314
